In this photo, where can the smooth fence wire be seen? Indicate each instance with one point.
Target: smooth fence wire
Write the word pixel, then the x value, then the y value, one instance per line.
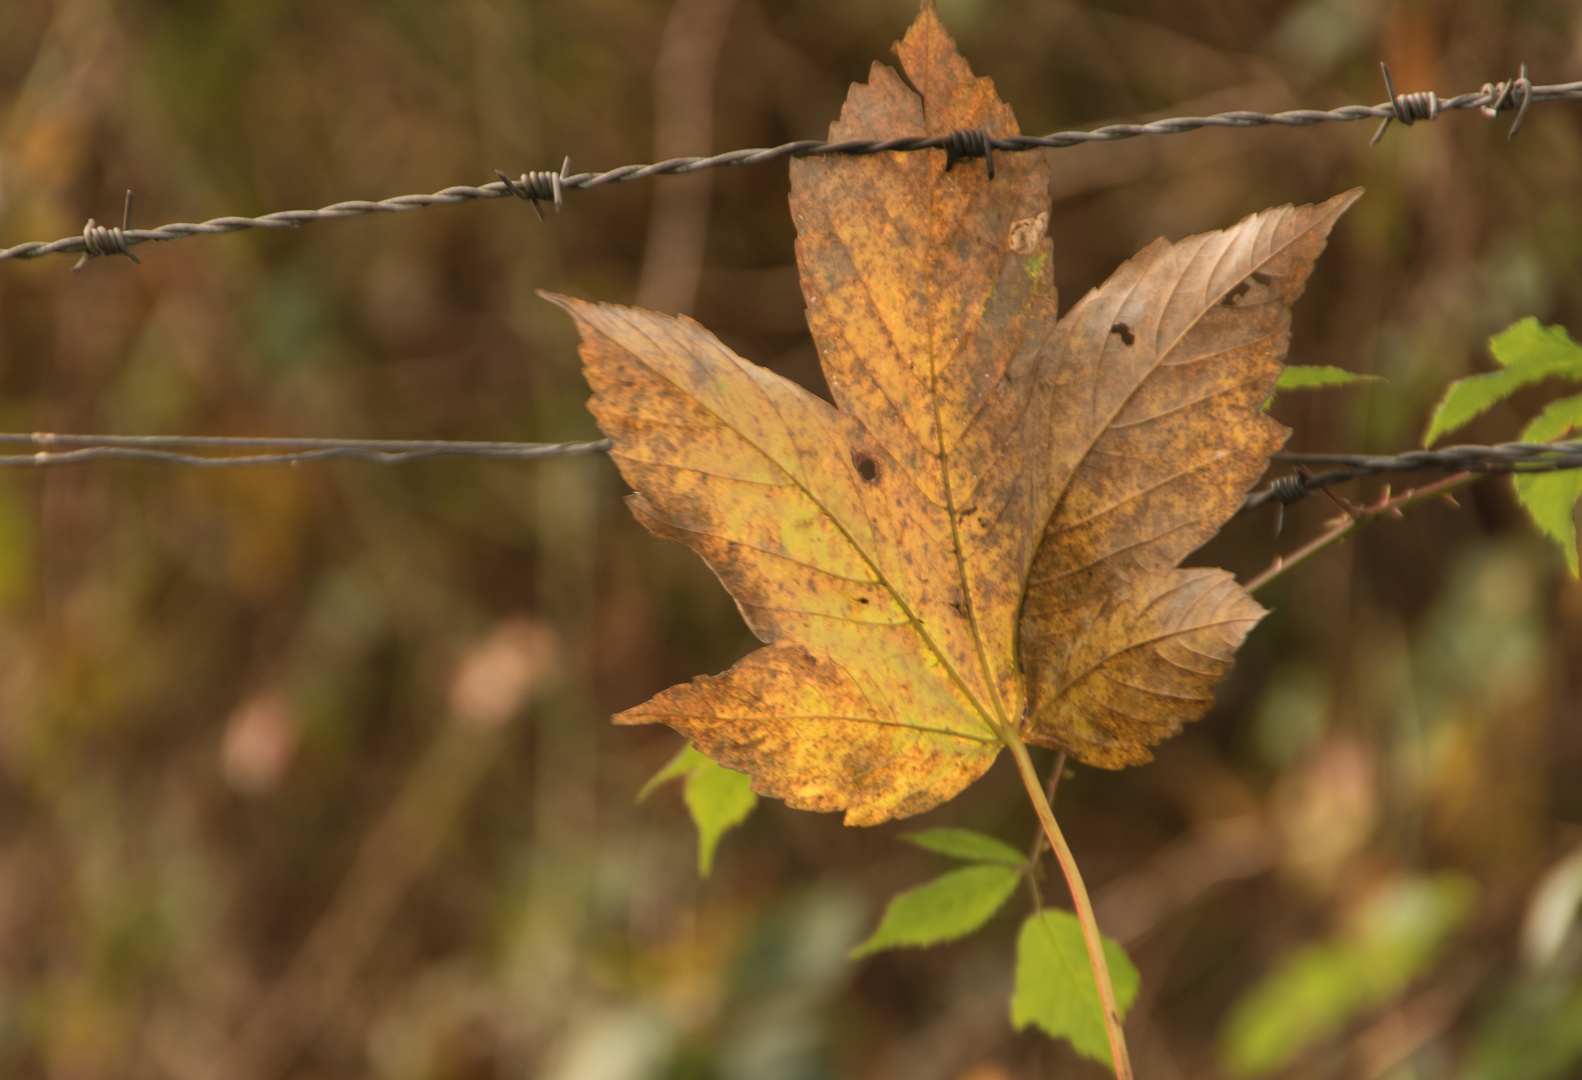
pixel 1494 98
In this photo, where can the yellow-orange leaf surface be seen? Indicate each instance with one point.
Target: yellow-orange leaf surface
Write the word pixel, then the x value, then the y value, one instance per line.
pixel 978 542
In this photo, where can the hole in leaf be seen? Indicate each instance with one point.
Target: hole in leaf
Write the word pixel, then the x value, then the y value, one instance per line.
pixel 1125 332
pixel 1230 297
pixel 867 468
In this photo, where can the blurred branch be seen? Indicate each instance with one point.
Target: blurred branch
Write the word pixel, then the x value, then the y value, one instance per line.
pixel 1217 852
pixel 400 845
pixel 1413 1024
pixel 1355 518
pixel 1510 95
pixel 678 221
pixel 496 679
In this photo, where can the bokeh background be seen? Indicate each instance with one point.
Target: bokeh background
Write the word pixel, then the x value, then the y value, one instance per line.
pixel 306 772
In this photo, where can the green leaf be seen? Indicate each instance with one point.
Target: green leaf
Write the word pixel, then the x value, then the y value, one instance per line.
pixel 947 908
pixel 1314 378
pixel 1527 352
pixel 1529 343
pixel 718 798
pixel 1055 986
pixel 675 769
pixel 966 844
pixel 1550 497
pixel 1315 990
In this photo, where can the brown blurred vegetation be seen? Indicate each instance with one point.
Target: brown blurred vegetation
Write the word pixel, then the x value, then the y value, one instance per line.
pixel 305 772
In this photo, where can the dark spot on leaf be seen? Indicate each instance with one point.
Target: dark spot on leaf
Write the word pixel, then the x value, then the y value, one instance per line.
pixel 867 468
pixel 1261 278
pixel 1125 332
pixel 965 510
pixel 1230 297
pixel 862 599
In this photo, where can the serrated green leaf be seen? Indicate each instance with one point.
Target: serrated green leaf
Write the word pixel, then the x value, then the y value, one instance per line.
pixel 1527 352
pixel 719 799
pixel 1319 376
pixel 1055 987
pixel 1550 498
pixel 675 769
pixel 1315 990
pixel 1529 343
pixel 949 907
pixel 966 844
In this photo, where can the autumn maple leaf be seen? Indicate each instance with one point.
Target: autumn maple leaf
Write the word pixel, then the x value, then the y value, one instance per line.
pixel 977 543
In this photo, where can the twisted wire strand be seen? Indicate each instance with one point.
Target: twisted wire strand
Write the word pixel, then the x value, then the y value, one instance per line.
pixel 219 451
pixel 1510 95
pixel 171 450
pixel 1514 457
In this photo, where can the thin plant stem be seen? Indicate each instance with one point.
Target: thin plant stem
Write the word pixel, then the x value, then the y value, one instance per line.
pixel 1354 520
pixel 1036 853
pixel 1040 844
pixel 1056 771
pixel 1079 900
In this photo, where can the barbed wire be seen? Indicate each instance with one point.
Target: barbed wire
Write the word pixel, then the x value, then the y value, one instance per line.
pixel 542 186
pixel 1513 457
pixel 53 449
pixel 167 450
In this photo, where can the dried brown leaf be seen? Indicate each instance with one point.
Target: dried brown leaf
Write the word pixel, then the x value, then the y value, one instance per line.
pixel 978 453
pixel 1172 358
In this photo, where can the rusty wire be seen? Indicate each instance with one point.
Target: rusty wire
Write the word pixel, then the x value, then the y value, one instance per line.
pixel 543 186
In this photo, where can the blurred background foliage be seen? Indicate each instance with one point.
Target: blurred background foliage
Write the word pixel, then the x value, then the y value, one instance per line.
pixel 305 772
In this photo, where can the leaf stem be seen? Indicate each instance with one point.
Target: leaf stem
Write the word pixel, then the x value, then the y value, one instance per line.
pixel 1079 899
pixel 1354 520
pixel 1035 853
pixel 1040 841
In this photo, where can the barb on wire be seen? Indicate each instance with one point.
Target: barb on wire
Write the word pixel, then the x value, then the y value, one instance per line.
pixel 172 450
pixel 539 185
pixel 1515 457
pixel 1407 108
pixel 1515 94
pixel 1287 490
pixel 965 145
pixel 1494 98
pixel 98 240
